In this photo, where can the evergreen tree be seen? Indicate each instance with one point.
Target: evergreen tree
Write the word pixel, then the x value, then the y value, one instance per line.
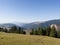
pixel 5 30
pixel 1 30
pixel 32 32
pixel 43 31
pixel 48 29
pixel 20 30
pixel 40 32
pixel 13 29
pixel 58 33
pixel 53 32
pixel 36 32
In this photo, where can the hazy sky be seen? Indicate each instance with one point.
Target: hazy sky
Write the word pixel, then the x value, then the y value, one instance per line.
pixel 29 10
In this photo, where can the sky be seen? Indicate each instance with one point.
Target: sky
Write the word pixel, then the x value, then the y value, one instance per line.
pixel 29 10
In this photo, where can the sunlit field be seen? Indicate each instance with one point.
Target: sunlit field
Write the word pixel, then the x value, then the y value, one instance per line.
pixel 19 39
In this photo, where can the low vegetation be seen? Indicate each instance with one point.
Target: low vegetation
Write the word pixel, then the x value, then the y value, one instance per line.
pixel 20 39
pixel 49 31
pixel 52 32
pixel 13 29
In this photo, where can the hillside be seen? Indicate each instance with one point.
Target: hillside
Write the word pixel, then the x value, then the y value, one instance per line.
pixel 19 39
pixel 32 24
pixel 41 24
pixel 7 25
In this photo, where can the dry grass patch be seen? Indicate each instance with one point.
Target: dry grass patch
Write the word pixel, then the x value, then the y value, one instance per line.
pixel 19 39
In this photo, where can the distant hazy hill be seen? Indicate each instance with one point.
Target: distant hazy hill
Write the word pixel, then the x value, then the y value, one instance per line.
pixel 41 24
pixel 32 25
pixel 19 24
pixel 7 25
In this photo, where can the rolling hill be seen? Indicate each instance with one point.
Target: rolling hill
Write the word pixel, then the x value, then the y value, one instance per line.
pixel 32 25
pixel 8 26
pixel 41 24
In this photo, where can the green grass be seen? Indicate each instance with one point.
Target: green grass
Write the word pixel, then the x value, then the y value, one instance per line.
pixel 19 39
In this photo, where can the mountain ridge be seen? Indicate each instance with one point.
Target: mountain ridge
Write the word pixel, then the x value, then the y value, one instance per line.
pixel 33 24
pixel 42 24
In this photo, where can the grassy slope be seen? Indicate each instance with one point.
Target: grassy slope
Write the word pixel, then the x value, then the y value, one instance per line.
pixel 17 39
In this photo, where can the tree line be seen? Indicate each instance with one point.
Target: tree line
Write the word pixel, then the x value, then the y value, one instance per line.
pixel 52 32
pixel 13 29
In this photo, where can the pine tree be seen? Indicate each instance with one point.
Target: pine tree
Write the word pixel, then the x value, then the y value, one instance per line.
pixel 1 30
pixel 32 32
pixel 13 30
pixel 48 29
pixel 58 33
pixel 20 30
pixel 44 31
pixel 53 32
pixel 36 32
pixel 5 30
pixel 40 32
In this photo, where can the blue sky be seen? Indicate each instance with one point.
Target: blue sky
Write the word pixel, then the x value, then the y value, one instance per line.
pixel 29 10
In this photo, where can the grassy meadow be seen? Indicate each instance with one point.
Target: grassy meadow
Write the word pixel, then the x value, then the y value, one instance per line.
pixel 20 39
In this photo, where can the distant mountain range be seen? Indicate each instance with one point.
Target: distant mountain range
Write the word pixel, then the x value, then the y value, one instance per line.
pixel 19 24
pixel 32 25
pixel 7 25
pixel 41 24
